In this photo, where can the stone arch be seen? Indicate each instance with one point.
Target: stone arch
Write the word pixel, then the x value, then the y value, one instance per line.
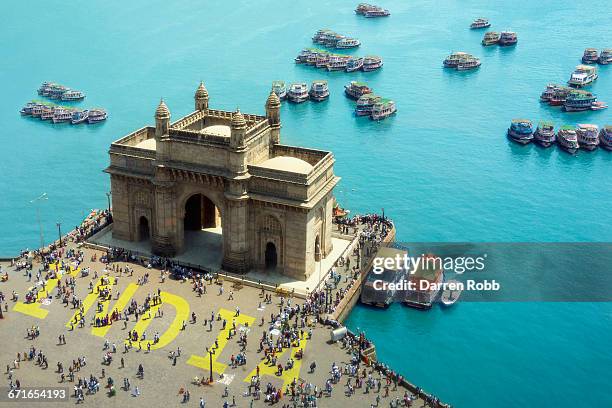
pixel 144 228
pixel 270 233
pixel 209 221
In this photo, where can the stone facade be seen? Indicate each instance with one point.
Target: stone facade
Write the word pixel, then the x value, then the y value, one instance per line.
pixel 215 168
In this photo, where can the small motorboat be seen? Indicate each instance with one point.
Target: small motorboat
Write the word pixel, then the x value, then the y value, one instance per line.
pixel 450 296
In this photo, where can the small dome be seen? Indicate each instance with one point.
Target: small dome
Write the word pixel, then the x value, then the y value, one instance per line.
pixel 273 101
pixel 201 92
pixel 162 111
pixel 238 120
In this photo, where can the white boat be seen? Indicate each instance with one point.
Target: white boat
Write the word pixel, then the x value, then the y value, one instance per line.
pixel 298 92
pixel 582 76
pixel 451 295
pixel 348 43
pixel 383 109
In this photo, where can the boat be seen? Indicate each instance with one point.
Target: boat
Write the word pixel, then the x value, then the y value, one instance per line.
pixel 548 93
pixel 319 91
pixel 590 56
pixel 363 7
pixel 383 109
pixel 354 64
pixel 37 109
pixel 47 113
pixel 322 35
pixel 303 56
pixel 452 61
pixel 560 95
pixel 605 57
pixel 27 109
pixel 62 115
pixel 365 104
pixel 567 139
pixel 582 76
pixel 451 293
pixel 379 288
pixel 605 137
pixel 338 62
pixel 372 63
pixel 426 281
pixel 544 134
pixel 311 59
pixel 348 43
pixel 71 95
pixel 279 88
pixel 322 60
pixel 377 12
pixel 96 115
pixel 598 105
pixel 356 90
pixel 578 101
pixel 298 92
pixel 79 116
pixel 490 38
pixel 507 38
pixel 480 23
pixel 588 136
pixel 521 131
pixel 467 64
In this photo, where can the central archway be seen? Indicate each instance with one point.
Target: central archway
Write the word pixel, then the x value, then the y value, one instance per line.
pixel 202 232
pixel 201 213
pixel 271 257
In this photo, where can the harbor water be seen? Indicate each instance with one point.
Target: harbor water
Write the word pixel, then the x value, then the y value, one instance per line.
pixel 441 168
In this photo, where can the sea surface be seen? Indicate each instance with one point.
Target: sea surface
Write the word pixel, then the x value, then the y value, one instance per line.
pixel 442 167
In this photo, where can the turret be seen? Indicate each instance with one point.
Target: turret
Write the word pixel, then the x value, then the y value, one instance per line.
pixel 273 114
pixel 162 120
pixel 201 98
pixel 238 130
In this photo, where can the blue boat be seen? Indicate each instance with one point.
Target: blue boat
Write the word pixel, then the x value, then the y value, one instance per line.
pixel 521 131
pixel 79 117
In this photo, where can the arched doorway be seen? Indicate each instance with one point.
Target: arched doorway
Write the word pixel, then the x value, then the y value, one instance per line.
pixel 201 213
pixel 271 257
pixel 317 249
pixel 143 229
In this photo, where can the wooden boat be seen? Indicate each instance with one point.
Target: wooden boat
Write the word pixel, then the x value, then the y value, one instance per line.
pixel 450 296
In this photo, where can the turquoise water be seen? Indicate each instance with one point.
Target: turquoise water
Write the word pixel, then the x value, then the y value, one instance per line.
pixel 442 167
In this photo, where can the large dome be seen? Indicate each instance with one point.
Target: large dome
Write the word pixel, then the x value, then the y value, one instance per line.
pixel 287 163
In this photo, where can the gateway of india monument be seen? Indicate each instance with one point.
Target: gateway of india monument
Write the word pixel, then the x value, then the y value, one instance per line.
pixel 227 175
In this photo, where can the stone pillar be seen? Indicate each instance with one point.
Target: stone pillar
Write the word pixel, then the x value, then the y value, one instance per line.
pixel 164 242
pixel 236 249
pixel 273 114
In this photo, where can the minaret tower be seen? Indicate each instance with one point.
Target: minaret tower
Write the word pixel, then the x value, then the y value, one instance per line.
pixel 201 98
pixel 162 129
pixel 273 114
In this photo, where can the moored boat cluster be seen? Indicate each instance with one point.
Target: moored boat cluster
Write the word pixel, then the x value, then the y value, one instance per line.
pixel 461 61
pixel 332 39
pixel 590 56
pixel 60 114
pixel 368 104
pixel 572 100
pixel 371 10
pixel 503 39
pixel 338 62
pixel 299 92
pixel 52 90
pixel 569 138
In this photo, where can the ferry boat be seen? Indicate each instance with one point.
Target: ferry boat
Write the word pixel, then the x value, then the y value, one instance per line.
pixel 371 63
pixel 480 23
pixel 383 109
pixel 490 38
pixel 377 12
pixel 363 7
pixel 544 134
pixel 311 59
pixel 453 60
pixel 468 64
pixel 322 35
pixel 365 104
pixel 567 139
pixel 47 113
pixel 507 38
pixel 598 105
pixel 560 95
pixel 605 57
pixel 354 64
pixel 96 115
pixel 71 95
pixel 348 43
pixel 303 56
pixel 279 88
pixel 548 93
pixel 588 136
pixel 298 92
pixel 426 281
pixel 379 289
pixel 582 76
pixel 450 296
pixel 578 101
pixel 590 56
pixel 37 109
pixel 27 109
pixel 521 131
pixel 62 115
pixel 605 137
pixel 319 91
pixel 322 60
pixel 356 90
pixel 79 116
pixel 338 62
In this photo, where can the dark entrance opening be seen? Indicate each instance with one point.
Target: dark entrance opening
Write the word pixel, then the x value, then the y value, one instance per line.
pixel 200 213
pixel 271 256
pixel 143 228
pixel 317 249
